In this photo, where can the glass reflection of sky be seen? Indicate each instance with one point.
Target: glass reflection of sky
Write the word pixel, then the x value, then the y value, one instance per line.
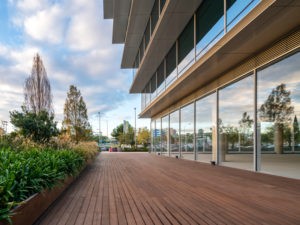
pixel 205 111
pixel 287 72
pixel 187 119
pixel 174 123
pixel 238 11
pixel 236 99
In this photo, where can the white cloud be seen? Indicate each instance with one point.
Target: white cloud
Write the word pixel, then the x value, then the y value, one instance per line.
pixel 46 25
pixel 74 42
pixel 30 5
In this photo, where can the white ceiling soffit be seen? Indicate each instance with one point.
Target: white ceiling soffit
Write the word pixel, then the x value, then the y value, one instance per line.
pixel 121 11
pixel 108 10
pixel 171 24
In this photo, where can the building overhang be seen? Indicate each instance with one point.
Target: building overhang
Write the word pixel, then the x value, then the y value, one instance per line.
pixel 174 18
pixel 262 27
pixel 137 22
pixel 118 10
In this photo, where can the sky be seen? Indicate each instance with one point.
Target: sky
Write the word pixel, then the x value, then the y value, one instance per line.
pixel 75 44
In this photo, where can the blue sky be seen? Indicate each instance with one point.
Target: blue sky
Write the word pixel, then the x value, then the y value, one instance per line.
pixel 74 42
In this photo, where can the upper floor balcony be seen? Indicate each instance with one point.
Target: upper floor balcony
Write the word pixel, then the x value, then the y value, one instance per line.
pixel 210 22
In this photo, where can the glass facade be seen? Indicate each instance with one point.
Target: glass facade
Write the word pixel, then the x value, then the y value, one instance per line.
pixel 187 132
pixel 157 136
pixel 171 71
pixel 278 113
pixel 185 46
pixel 152 136
pixel 237 9
pixel 236 120
pixel 277 100
pixel 206 128
pixel 174 134
pixel 165 135
pixel 207 26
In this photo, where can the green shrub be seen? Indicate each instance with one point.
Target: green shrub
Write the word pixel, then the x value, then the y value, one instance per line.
pixel 24 173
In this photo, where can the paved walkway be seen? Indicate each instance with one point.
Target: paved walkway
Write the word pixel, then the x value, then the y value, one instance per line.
pixel 140 188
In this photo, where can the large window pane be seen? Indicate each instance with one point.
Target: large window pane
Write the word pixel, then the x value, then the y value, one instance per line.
pixel 154 15
pixel 278 115
pixel 160 78
pixel 187 132
pixel 137 60
pixel 206 128
pixel 162 4
pixel 141 50
pixel 236 124
pixel 157 136
pixel 153 86
pixel 147 94
pixel 152 135
pixel 174 134
pixel 237 10
pixel 171 73
pixel 165 135
pixel 209 25
pixel 186 55
pixel 147 34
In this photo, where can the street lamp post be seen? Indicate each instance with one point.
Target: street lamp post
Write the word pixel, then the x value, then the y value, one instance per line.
pixel 99 114
pixel 135 127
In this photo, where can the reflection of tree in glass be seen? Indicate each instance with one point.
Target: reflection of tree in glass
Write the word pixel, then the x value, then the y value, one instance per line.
pixel 245 129
pixel 277 108
pixel 232 134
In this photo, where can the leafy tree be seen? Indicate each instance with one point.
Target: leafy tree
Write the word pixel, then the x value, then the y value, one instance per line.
pixel 40 127
pixel 124 135
pixel 277 108
pixel 37 89
pixel 143 136
pixel 75 121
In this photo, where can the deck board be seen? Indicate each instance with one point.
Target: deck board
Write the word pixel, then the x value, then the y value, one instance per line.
pixel 141 188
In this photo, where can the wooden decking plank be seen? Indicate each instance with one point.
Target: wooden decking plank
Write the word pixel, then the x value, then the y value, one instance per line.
pixel 105 201
pixel 140 214
pixel 118 201
pixel 131 188
pixel 128 208
pixel 99 198
pixel 113 216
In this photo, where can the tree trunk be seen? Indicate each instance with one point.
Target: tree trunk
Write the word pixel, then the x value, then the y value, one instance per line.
pixel 278 138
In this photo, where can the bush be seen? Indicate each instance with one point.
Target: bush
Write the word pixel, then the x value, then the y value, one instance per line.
pixel 25 173
pixel 87 149
pixel 140 149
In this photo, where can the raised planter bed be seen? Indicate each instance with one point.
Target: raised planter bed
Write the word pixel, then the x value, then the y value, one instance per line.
pixel 32 208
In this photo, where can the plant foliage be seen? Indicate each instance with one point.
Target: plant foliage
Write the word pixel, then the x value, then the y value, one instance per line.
pixel 40 127
pixel 25 173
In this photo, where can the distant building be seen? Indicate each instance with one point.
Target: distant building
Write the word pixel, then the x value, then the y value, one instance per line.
pixel 223 74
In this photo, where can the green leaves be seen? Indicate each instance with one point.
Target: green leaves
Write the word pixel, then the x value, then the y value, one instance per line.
pixel 38 126
pixel 25 173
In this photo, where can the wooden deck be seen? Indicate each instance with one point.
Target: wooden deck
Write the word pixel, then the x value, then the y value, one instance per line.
pixel 140 188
